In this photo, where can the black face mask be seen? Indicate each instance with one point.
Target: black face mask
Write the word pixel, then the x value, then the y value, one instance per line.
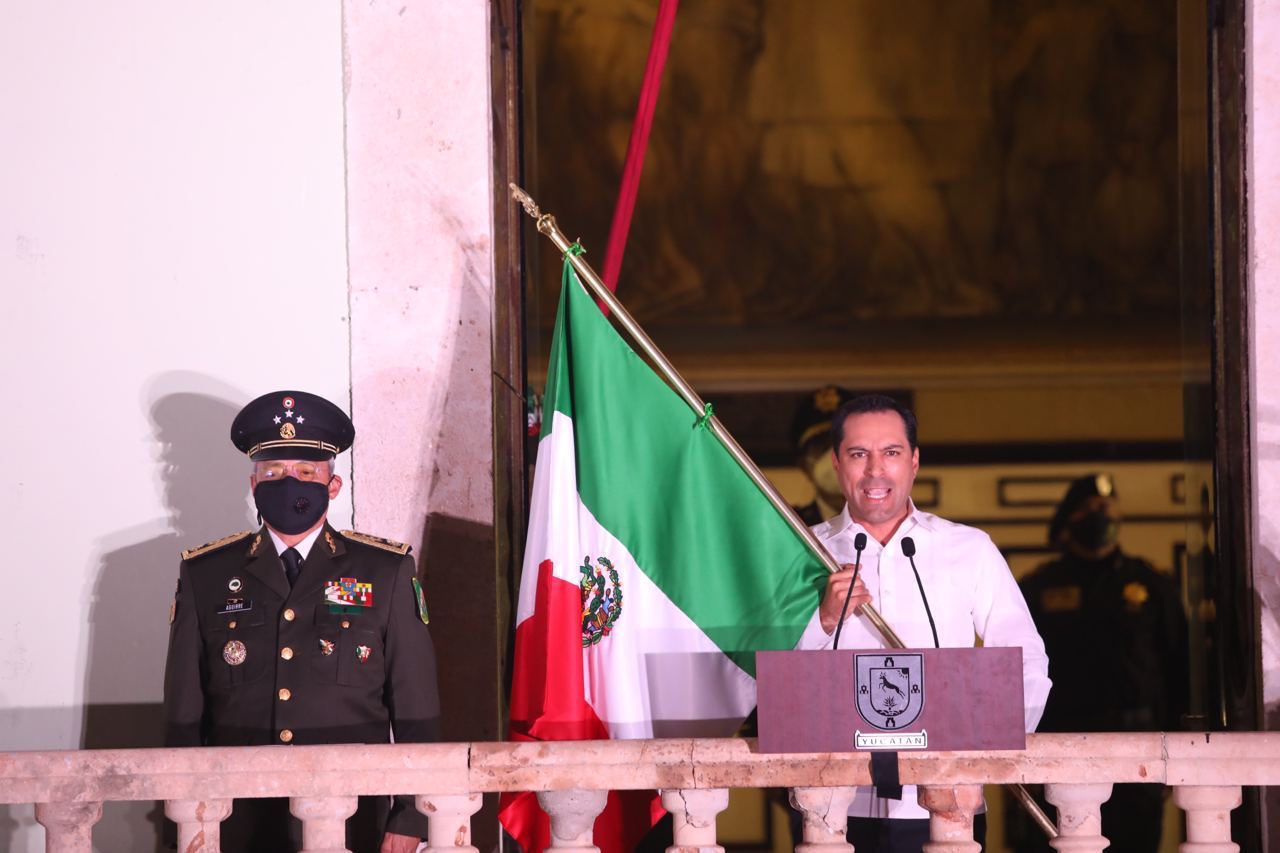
pixel 1095 531
pixel 290 505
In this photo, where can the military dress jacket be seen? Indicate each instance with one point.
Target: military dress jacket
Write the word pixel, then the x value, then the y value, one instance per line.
pixel 344 656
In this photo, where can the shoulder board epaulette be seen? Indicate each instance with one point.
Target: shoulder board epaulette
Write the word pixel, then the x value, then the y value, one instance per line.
pixel 377 542
pixel 215 545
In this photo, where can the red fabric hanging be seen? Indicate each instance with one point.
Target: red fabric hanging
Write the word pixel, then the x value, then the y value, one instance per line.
pixel 639 143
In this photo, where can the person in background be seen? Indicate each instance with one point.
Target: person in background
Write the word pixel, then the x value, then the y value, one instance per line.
pixel 811 436
pixel 1116 634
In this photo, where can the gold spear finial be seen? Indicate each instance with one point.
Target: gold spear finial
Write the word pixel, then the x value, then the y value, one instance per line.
pixel 546 222
pixel 526 201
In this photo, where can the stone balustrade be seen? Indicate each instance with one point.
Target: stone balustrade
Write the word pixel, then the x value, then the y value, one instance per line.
pixel 1206 772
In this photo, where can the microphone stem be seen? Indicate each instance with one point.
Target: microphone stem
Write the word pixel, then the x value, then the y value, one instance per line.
pixel 927 611
pixel 857 566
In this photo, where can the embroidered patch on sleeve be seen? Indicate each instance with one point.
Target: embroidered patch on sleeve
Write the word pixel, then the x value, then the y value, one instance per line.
pixel 422 602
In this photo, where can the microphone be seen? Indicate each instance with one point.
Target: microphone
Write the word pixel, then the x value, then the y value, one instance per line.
pixel 859 543
pixel 909 549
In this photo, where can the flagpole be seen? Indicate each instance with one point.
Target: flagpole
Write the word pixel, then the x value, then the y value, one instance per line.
pixel 547 225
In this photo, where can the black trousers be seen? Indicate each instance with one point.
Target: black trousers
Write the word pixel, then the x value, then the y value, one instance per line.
pixel 265 825
pixel 882 835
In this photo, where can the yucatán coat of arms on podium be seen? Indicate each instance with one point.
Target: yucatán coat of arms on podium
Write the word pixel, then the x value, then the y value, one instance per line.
pixel 889 694
pixel 890 699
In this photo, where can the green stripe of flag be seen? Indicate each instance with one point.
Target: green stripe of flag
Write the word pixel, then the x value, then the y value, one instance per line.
pixel 669 490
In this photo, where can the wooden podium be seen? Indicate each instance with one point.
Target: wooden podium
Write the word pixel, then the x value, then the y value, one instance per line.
pixel 890 699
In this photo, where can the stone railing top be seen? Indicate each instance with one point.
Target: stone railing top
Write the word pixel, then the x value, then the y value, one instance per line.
pixel 1235 758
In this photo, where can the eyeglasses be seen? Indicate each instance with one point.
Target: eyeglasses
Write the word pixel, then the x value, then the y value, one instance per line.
pixel 307 472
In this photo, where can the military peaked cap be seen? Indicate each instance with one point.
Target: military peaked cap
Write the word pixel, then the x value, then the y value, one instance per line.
pixel 292 425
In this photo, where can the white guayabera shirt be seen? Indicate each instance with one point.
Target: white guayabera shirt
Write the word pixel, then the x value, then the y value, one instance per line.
pixel 972 594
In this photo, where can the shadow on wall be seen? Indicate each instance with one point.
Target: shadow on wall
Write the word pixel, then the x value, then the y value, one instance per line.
pixel 204 481
pixel 1266 590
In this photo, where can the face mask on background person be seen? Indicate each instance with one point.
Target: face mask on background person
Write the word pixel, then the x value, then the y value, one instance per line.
pixel 1095 531
pixel 290 505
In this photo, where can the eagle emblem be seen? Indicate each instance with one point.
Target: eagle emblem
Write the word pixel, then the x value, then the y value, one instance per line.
pixel 601 599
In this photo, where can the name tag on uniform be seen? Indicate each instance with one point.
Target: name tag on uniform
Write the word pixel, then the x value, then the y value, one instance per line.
pixel 1060 599
pixel 236 605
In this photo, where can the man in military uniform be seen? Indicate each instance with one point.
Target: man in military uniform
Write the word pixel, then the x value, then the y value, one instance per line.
pixel 811 436
pixel 1116 635
pixel 298 633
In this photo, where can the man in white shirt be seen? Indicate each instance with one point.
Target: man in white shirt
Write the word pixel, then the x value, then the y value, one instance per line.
pixel 970 589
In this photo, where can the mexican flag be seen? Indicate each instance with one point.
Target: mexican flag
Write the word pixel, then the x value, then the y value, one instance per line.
pixel 654 569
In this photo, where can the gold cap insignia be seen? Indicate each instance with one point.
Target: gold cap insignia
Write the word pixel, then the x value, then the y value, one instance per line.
pixel 287 430
pixel 1104 485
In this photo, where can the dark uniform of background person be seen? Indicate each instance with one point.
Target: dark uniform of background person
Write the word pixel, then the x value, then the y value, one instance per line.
pixel 1116 634
pixel 334 649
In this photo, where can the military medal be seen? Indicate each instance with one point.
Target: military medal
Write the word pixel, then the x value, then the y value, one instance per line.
pixel 326 647
pixel 348 595
pixel 363 652
pixel 234 652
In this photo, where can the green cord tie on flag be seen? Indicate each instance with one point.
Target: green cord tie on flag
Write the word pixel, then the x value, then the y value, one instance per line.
pixel 575 249
pixel 707 414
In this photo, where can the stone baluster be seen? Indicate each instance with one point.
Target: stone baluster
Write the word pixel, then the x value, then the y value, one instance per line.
pixel 951 810
pixel 826 818
pixel 693 813
pixel 1208 810
pixel 68 827
pixel 199 823
pixel 573 814
pixel 324 822
pixel 1079 816
pixel 449 821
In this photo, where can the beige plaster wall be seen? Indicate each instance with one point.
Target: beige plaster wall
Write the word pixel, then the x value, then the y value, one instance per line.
pixel 419 191
pixel 199 204
pixel 421 261
pixel 171 243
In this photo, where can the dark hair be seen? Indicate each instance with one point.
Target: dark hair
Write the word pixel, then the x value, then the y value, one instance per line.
pixel 868 404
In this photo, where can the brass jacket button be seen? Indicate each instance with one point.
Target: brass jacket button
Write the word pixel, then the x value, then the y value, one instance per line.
pixel 286 653
pixel 286 736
